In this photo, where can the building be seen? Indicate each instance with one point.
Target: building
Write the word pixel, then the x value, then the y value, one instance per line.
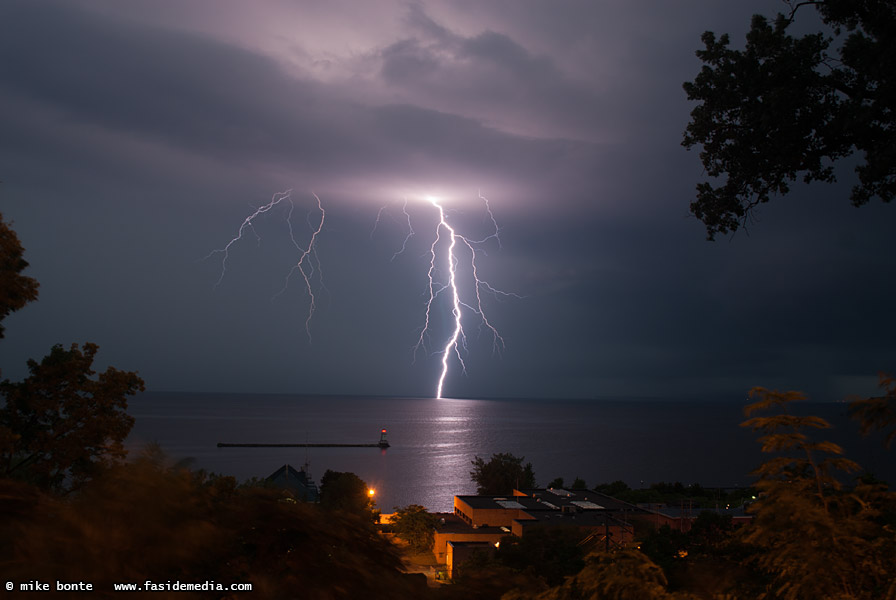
pixel 460 552
pixel 480 522
pixel 454 529
pixel 299 482
pixel 682 518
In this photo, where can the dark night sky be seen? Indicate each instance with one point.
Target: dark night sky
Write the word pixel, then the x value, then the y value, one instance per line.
pixel 136 137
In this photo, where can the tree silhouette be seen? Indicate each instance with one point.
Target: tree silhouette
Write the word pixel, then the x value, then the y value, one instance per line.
pixel 60 426
pixel 878 412
pixel 16 290
pixel 348 493
pixel 622 575
pixel 503 473
pixel 789 107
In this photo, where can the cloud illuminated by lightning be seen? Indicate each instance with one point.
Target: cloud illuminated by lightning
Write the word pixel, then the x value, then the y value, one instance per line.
pixel 444 258
pixel 308 263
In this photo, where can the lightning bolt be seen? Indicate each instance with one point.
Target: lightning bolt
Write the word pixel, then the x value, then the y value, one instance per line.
pixel 308 263
pixel 407 215
pixel 450 253
pixel 459 247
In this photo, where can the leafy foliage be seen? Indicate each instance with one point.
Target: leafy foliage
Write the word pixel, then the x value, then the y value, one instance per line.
pixel 60 426
pixel 612 489
pixel 16 290
pixel 416 526
pixel 151 520
pixel 814 537
pixel 348 493
pixel 665 546
pixel 503 473
pixel 479 579
pixel 677 493
pixel 622 575
pixel 788 107
pixel 879 412
pixel 551 554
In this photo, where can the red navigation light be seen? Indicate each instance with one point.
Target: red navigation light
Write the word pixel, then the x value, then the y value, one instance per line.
pixel 384 431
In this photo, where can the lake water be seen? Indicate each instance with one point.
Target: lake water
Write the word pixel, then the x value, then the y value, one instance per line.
pixel 433 441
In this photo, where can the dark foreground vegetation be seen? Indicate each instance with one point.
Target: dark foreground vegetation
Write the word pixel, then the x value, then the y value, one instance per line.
pixel 149 520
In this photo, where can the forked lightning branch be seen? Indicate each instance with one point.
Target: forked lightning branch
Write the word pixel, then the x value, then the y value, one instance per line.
pixel 452 275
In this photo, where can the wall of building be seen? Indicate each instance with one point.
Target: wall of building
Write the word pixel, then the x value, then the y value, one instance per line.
pixel 440 541
pixel 458 553
pixel 488 517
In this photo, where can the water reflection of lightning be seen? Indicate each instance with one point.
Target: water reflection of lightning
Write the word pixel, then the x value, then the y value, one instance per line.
pixel 457 245
pixel 308 263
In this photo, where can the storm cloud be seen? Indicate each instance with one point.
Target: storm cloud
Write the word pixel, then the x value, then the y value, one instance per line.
pixel 136 137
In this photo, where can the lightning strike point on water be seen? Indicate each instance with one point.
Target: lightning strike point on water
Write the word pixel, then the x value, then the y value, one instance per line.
pixel 308 263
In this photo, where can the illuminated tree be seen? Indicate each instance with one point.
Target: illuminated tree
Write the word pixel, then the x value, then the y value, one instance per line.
pixel 789 107
pixel 503 473
pixel 815 538
pixel 16 290
pixel 60 426
pixel 416 526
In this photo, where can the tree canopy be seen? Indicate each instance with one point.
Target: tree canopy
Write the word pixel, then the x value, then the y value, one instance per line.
pixel 879 412
pixel 346 492
pixel 788 107
pixel 16 290
pixel 503 473
pixel 416 526
pixel 60 426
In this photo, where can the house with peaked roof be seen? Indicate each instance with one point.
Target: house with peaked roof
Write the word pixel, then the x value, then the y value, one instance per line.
pixel 299 482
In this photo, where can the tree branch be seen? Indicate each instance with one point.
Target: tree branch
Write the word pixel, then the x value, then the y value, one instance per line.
pixel 794 8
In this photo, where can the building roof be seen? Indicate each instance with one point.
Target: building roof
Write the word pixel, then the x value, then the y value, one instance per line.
pixel 571 519
pixel 583 500
pixel 464 544
pixel 299 481
pixel 498 502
